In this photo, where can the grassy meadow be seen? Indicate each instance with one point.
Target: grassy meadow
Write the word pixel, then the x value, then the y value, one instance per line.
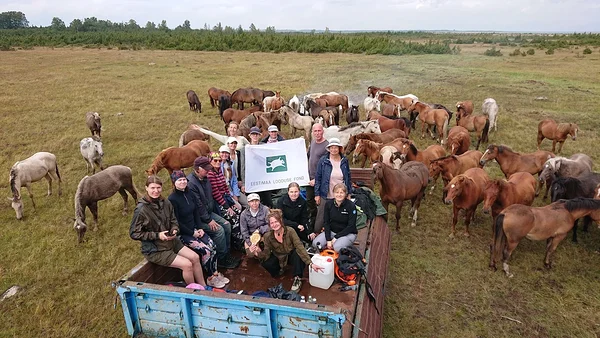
pixel 437 286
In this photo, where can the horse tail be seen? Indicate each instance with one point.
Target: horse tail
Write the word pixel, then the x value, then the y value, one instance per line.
pixel 445 129
pixel 57 173
pixel 181 139
pixel 499 237
pixel 486 129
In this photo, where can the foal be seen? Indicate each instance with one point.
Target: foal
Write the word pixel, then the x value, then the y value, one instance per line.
pixel 452 165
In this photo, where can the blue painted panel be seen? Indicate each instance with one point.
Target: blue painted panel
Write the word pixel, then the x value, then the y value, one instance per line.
pixel 305 325
pixel 161 329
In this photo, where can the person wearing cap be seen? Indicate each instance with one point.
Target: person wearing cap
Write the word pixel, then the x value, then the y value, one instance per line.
pixel 155 225
pixel 216 226
pixel 316 149
pixel 333 168
pixel 253 219
pixel 230 173
pixel 254 140
pixel 187 212
pixel 273 135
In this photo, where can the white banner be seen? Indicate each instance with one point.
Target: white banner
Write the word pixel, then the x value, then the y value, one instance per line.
pixel 272 166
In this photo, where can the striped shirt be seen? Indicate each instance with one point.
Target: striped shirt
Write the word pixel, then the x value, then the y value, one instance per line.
pixel 219 186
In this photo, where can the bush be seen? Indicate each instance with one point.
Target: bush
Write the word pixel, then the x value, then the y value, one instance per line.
pixel 550 51
pixel 493 52
pixel 516 52
pixel 587 51
pixel 530 51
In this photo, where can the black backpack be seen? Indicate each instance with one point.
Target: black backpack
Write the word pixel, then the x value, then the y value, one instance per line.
pixel 363 200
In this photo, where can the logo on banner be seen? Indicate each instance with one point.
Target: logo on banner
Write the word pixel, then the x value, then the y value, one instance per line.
pixel 276 164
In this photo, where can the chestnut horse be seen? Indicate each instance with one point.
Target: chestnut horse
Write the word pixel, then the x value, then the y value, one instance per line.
pixel 174 158
pixel 194 101
pixel 192 134
pixel 459 140
pixel 557 132
pixel 232 114
pixel 411 153
pixel 407 183
pixel 271 103
pixel 480 124
pixel 500 193
pixel 401 102
pixel 385 137
pixel 452 165
pixel 550 223
pixel 372 90
pixel 215 93
pixel 250 95
pixel 371 149
pixel 402 123
pixel 431 117
pixel 465 191
pixel 465 106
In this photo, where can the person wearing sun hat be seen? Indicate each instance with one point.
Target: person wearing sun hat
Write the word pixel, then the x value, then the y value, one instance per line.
pixel 273 135
pixel 187 212
pixel 333 168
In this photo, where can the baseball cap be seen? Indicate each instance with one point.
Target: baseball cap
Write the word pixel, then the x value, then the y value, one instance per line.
pixel 273 128
pixel 202 162
pixel 232 139
pixel 254 130
pixel 252 197
pixel 223 149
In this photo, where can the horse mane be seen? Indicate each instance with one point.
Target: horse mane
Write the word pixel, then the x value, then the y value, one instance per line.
pixel 569 183
pixel 351 125
pixel 503 147
pixel 443 158
pixel 563 128
pixel 79 210
pixel 413 149
pixel 581 203
pixel 13 178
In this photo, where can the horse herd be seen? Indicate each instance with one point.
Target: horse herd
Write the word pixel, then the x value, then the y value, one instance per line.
pixel 404 171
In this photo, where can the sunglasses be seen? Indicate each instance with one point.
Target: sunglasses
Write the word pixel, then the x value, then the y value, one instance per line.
pixel 216 160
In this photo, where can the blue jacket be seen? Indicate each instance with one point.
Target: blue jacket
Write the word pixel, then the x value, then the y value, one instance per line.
pixel 203 192
pixel 323 174
pixel 234 189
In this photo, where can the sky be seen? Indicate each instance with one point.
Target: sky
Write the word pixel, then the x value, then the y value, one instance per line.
pixel 337 15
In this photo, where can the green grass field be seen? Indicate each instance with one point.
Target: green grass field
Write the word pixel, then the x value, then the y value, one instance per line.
pixel 437 286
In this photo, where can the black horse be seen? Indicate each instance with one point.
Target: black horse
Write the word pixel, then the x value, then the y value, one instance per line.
pixel 352 115
pixel 224 103
pixel 570 187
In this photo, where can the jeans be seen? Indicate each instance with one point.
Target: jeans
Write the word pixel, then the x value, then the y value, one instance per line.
pixel 221 237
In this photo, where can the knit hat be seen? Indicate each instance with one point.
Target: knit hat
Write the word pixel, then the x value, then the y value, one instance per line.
pixel 177 174
pixel 202 162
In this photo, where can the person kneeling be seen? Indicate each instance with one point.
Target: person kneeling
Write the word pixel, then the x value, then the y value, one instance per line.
pixel 253 223
pixel 339 221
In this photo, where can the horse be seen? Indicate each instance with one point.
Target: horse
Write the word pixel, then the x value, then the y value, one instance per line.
pixel 232 114
pixel 574 166
pixel 371 149
pixel 465 106
pixel 384 137
pixel 557 132
pixel 248 122
pixel 242 141
pixel 480 124
pixel 194 101
pixel 407 183
pixel 353 114
pixel 402 123
pixel 490 108
pixel 458 141
pixel 334 100
pixel 411 153
pixel 344 133
pixel 91 150
pixel 452 165
pixel 102 185
pixel 297 121
pixel 431 117
pixel 465 191
pixel 500 193
pixel 511 162
pixel 389 110
pixel 270 118
pixel 92 120
pixel 192 133
pixel 224 103
pixel 371 103
pixel 401 102
pixel 327 116
pixel 271 103
pixel 215 95
pixel 174 158
pixel 550 223
pixel 249 95
pixel 294 103
pixel 32 169
pixel 315 110
pixel 372 90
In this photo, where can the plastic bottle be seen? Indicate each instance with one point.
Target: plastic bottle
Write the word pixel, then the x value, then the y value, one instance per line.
pixel 310 299
pixel 314 300
pixel 302 299
pixel 319 246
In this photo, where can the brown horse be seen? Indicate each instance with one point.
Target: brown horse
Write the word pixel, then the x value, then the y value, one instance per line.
pixel 400 102
pixel 480 124
pixel 271 103
pixel 431 117
pixel 192 133
pixel 249 122
pixel 500 193
pixel 250 95
pixel 271 118
pixel 174 158
pixel 372 90
pixel 386 123
pixel 459 140
pixel 464 106
pixel 371 149
pixel 215 93
pixel 550 223
pixel 385 137
pixel 465 191
pixel 194 101
pixel 407 183
pixel 411 153
pixel 557 132
pixel 450 166
pixel 315 110
pixel 232 114
pixel 334 100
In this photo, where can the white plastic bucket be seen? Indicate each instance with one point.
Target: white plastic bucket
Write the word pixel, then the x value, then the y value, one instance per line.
pixel 322 278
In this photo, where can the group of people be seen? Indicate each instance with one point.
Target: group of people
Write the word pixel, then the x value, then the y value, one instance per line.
pixel 191 230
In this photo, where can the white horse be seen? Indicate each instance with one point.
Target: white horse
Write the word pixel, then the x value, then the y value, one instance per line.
pixel 296 121
pixel 344 133
pixel 371 103
pixel 490 108
pixel 242 141
pixel 32 169
pixel 91 150
pixel 295 104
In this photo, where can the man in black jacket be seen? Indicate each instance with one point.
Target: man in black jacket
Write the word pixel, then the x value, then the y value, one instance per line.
pixel 212 223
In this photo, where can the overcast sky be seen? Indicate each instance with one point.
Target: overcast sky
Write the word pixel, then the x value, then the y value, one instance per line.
pixel 470 15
